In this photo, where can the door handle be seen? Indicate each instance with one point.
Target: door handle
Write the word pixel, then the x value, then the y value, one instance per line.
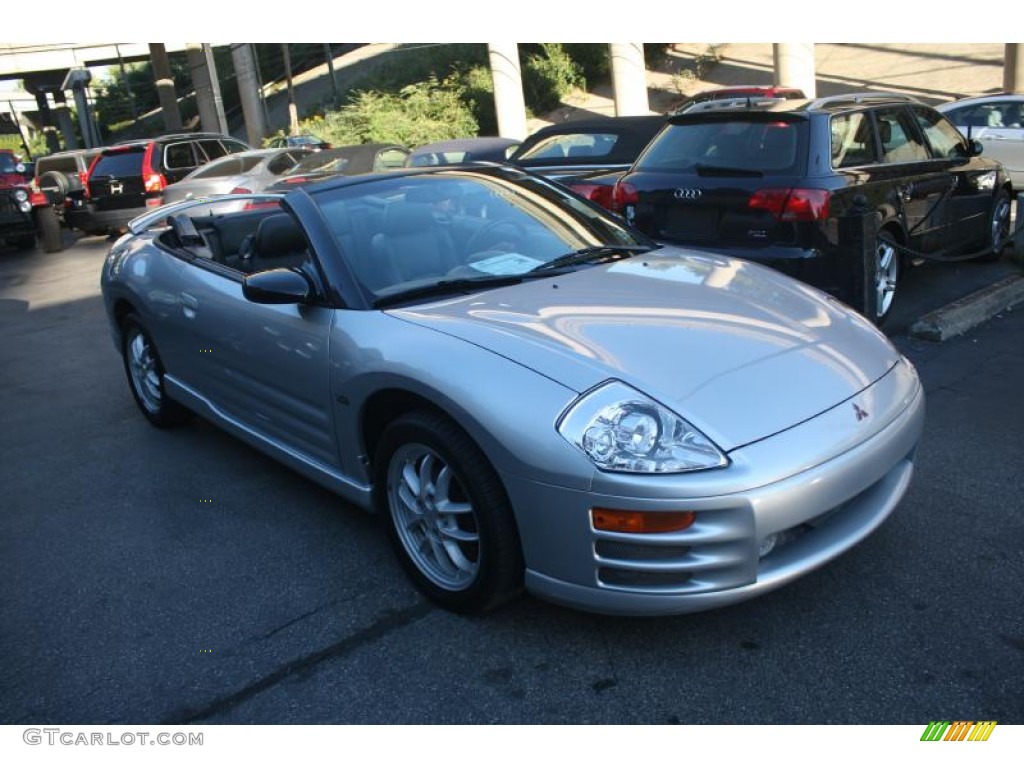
pixel 189 304
pixel 906 192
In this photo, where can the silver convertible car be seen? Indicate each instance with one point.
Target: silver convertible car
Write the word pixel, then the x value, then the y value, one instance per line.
pixel 531 393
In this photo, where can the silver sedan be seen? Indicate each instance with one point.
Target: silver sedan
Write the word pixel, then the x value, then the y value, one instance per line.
pixel 531 393
pixel 997 121
pixel 242 172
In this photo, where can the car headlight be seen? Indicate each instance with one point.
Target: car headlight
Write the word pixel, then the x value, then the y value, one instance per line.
pixel 623 430
pixel 20 195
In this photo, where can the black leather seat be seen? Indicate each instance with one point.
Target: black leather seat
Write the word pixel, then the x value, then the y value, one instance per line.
pixel 413 245
pixel 277 243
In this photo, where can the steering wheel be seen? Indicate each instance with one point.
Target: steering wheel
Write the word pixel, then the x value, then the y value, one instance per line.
pixel 478 238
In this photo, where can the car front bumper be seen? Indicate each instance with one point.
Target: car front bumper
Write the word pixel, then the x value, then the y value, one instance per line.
pixel 817 509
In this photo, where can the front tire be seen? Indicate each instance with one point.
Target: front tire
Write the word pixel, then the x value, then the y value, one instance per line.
pixel 146 376
pixel 886 277
pixel 999 227
pixel 447 514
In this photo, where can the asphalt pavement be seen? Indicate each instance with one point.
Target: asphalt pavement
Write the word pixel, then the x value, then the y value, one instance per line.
pixel 179 576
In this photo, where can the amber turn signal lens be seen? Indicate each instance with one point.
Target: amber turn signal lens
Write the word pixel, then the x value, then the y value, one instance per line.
pixel 621 521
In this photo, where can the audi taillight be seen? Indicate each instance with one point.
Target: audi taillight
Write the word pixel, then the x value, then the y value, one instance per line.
pixel 623 194
pixel 792 204
pixel 152 181
pixel 598 193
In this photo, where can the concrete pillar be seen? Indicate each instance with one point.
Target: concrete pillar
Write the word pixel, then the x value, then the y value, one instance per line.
pixel 293 110
pixel 794 67
pixel 218 102
pixel 46 118
pixel 249 92
pixel 201 82
pixel 509 103
pixel 1013 69
pixel 629 79
pixel 65 124
pixel 165 87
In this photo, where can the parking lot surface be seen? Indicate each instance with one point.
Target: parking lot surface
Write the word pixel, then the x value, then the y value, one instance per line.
pixel 181 577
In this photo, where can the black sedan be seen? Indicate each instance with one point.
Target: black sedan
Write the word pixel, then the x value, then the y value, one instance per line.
pixel 568 152
pixel 343 161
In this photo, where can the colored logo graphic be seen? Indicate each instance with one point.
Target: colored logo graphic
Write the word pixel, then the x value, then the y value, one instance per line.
pixel 959 730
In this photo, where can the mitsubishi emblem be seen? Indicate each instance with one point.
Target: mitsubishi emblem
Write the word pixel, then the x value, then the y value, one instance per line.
pixel 861 413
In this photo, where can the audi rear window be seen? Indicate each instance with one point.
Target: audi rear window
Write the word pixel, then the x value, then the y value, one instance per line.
pixel 730 146
pixel 119 164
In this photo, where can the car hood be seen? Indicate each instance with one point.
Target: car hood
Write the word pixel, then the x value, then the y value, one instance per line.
pixel 741 351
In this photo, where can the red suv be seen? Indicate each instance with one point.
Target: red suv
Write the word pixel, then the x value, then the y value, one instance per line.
pixel 23 210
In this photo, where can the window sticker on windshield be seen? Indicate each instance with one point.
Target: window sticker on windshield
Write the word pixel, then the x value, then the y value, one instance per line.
pixel 506 264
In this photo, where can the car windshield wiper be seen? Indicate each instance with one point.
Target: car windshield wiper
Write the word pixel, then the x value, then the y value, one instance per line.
pixel 591 253
pixel 720 170
pixel 444 287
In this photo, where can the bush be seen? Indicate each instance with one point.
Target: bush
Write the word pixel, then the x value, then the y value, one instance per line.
pixel 594 59
pixel 550 76
pixel 420 113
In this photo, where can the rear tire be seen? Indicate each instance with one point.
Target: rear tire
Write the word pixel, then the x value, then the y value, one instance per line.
pixel 146 376
pixel 887 276
pixel 49 229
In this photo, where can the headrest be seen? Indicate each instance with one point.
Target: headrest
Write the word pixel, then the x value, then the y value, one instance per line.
pixel 408 219
pixel 885 131
pixel 279 234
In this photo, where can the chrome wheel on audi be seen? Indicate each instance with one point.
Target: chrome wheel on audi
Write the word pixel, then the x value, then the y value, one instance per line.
pixel 1000 227
pixel 433 517
pixel 887 275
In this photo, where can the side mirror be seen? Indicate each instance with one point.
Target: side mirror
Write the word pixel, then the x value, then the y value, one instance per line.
pixel 974 147
pixel 277 286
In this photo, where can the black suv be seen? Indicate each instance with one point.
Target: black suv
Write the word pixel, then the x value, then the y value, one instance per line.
pixel 780 184
pixel 129 179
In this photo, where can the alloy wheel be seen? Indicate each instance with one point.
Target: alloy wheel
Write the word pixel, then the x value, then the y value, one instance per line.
pixel 143 368
pixel 434 517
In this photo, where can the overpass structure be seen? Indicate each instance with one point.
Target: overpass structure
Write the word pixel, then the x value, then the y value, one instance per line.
pixel 53 69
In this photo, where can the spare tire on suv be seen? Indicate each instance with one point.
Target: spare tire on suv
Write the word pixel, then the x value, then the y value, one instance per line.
pixel 61 177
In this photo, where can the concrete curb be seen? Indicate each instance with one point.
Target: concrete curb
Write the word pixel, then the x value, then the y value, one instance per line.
pixel 963 314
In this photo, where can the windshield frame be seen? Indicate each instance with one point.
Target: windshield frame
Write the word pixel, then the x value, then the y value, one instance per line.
pixel 555 221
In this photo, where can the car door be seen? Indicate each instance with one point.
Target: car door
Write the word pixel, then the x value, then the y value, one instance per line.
pixel 920 183
pixel 263 366
pixel 969 201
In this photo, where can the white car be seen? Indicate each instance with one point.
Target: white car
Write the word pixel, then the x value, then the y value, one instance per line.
pixel 998 123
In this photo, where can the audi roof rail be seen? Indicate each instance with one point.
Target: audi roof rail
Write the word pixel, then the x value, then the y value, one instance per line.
pixel 862 98
pixel 733 102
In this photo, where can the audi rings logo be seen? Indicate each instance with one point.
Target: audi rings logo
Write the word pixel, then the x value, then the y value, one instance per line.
pixel 687 194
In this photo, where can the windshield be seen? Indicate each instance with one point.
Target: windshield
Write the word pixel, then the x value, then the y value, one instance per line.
pixel 729 145
pixel 462 230
pixel 229 166
pixel 328 161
